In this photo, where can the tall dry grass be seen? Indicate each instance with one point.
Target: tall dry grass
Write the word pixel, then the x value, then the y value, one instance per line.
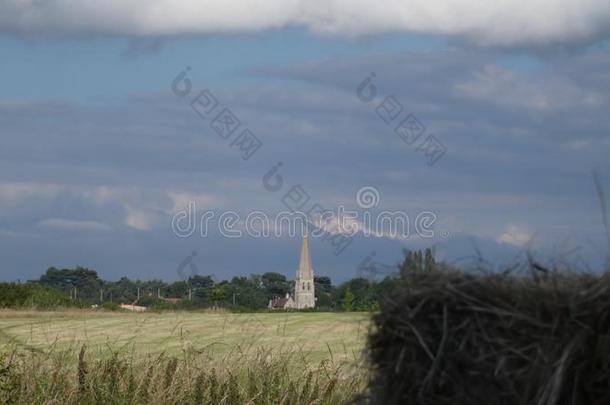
pixel 243 376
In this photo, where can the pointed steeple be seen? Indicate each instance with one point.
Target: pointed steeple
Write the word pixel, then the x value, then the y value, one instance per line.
pixel 304 286
pixel 305 270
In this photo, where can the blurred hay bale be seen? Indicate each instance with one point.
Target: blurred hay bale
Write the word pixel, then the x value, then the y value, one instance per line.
pixel 451 338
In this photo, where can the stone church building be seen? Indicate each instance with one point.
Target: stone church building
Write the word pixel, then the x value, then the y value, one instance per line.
pixel 304 294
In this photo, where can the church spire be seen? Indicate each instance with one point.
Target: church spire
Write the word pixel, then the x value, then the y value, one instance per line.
pixel 305 271
pixel 304 286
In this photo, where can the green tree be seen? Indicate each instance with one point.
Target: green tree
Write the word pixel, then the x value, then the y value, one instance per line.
pixel 419 261
pixel 79 282
pixel 32 295
pixel 429 262
pixel 275 284
pixel 123 291
pixel 247 292
pixel 348 300
pixel 323 283
pixel 409 264
pixel 177 289
pixel 324 293
pixel 202 289
pixel 416 262
pixel 220 293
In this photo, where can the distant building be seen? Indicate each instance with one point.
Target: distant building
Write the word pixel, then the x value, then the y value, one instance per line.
pixel 172 301
pixel 281 303
pixel 304 293
pixel 133 307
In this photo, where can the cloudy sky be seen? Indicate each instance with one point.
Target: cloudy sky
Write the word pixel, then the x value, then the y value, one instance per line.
pixel 101 146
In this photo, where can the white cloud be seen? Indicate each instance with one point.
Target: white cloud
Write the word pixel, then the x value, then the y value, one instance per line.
pixel 182 199
pixel 140 219
pixel 497 85
pixel 15 193
pixel 73 225
pixel 139 208
pixel 516 235
pixel 349 225
pixel 501 22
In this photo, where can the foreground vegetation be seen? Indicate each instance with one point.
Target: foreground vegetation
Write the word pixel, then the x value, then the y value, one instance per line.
pixel 239 377
pixel 460 339
pixel 444 338
pixel 86 356
pixel 441 337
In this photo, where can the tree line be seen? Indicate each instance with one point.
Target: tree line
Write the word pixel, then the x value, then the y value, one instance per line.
pixel 82 287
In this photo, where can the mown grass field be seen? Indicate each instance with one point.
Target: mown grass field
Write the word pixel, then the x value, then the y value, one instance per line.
pixel 317 336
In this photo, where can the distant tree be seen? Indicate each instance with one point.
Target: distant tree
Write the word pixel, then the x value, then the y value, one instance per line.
pixel 123 291
pixel 348 300
pixel 80 282
pixel 429 262
pixel 177 289
pixel 220 293
pixel 386 287
pixel 408 266
pixel 324 293
pixel 323 283
pixel 364 293
pixel 419 261
pixel 246 292
pixel 324 300
pixel 32 295
pixel 201 281
pixel 416 262
pixel 275 284
pixel 253 292
pixel 151 288
pixel 202 288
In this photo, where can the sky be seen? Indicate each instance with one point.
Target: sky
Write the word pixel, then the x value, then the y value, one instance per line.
pixel 102 146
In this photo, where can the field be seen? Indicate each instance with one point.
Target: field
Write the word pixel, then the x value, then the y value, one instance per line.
pixel 318 336
pixel 239 349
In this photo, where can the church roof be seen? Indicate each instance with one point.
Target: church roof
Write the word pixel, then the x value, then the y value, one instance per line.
pixel 279 302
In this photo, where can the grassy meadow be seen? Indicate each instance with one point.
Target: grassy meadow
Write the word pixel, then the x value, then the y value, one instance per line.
pixel 318 336
pixel 191 357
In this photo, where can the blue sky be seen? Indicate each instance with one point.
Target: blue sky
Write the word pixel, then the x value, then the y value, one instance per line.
pixel 132 66
pixel 98 154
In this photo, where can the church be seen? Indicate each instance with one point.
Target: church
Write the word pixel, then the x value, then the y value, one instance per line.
pixel 304 294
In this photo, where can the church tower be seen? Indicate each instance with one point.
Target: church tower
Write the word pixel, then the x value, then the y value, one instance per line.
pixel 304 296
